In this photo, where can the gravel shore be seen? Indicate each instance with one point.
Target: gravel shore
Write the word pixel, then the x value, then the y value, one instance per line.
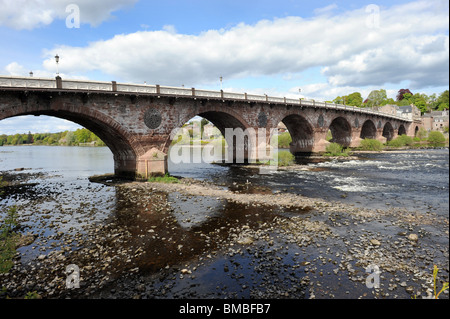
pixel 197 240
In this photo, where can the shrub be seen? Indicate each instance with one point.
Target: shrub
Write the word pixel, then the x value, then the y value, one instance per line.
pixel 436 138
pixel 284 140
pixel 285 158
pixel 371 145
pixel 400 141
pixel 335 149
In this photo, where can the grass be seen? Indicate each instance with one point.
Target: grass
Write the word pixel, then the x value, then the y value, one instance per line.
pixel 163 179
pixel 444 286
pixel 8 239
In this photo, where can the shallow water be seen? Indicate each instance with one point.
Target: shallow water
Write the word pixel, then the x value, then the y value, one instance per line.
pixel 57 198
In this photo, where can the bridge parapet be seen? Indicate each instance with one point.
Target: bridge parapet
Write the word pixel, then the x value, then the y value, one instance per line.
pixel 82 85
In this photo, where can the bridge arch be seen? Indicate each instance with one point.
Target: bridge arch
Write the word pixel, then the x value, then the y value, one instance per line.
pixel 124 151
pixel 341 131
pixel 401 130
pixel 368 130
pixel 230 125
pixel 301 131
pixel 388 131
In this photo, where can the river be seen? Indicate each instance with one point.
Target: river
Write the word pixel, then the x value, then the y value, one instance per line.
pixel 56 188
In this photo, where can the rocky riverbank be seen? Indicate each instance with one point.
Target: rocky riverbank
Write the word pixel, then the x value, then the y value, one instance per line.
pixel 197 240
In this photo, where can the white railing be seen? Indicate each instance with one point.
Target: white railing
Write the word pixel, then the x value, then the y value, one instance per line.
pixel 46 83
pixel 28 82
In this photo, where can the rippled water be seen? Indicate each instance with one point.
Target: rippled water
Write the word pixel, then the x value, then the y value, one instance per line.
pixel 60 194
pixel 416 179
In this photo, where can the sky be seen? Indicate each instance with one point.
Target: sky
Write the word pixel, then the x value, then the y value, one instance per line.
pixel 310 49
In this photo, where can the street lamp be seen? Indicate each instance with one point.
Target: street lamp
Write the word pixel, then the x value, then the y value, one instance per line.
pixel 57 61
pixel 31 74
pixel 221 83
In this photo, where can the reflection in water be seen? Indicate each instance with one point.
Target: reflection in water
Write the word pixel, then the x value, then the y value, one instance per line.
pixel 173 228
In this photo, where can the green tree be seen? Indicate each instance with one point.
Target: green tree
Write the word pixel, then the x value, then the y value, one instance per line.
pixel 442 102
pixel 82 135
pixel 30 139
pixel 376 98
pixel 353 99
pixel 17 139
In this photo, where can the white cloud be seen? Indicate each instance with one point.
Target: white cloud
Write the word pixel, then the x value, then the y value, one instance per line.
pixel 325 10
pixel 30 14
pixel 411 43
pixel 33 124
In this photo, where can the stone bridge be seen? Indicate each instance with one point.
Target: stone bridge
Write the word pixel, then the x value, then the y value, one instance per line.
pixel 137 122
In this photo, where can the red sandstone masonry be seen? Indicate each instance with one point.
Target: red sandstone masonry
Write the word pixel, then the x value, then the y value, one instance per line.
pixel 120 121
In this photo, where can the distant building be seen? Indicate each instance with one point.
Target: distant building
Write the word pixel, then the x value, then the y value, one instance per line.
pixel 388 109
pixel 408 111
pixel 209 130
pixel 411 112
pixel 435 120
pixel 282 128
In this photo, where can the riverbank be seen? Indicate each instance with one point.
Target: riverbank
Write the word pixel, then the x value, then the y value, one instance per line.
pixel 194 239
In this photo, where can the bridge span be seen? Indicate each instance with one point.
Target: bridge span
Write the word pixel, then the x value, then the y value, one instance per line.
pixel 138 122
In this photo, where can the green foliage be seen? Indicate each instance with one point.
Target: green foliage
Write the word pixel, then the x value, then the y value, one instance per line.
pixel 401 141
pixel 163 179
pixel 376 98
pixel 285 158
pixel 32 295
pixel 68 138
pixel 436 138
pixel 353 99
pixel 335 149
pixel 371 145
pixel 7 239
pixel 284 140
pixel 444 286
pixel 422 133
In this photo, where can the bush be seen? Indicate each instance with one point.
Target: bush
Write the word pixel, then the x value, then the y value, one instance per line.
pixel 371 145
pixel 335 149
pixel 401 141
pixel 436 138
pixel 284 140
pixel 285 158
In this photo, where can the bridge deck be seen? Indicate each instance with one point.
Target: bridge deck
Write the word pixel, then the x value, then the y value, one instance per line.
pixel 32 83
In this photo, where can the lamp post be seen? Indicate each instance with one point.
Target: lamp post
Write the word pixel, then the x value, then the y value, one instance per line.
pixel 31 74
pixel 57 61
pixel 221 83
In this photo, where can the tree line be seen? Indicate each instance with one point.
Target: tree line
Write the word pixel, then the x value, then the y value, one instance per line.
pixel 376 98
pixel 66 138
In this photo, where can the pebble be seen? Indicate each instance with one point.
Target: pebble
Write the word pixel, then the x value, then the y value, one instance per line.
pixel 333 242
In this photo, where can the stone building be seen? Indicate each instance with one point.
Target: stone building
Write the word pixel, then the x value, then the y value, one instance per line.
pixel 435 120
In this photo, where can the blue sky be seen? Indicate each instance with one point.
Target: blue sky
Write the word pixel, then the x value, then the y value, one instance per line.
pixel 324 48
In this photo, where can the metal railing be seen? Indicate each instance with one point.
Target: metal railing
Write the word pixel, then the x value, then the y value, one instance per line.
pixel 82 85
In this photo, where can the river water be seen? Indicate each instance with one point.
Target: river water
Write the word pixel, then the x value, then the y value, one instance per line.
pixel 56 186
pixel 416 179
